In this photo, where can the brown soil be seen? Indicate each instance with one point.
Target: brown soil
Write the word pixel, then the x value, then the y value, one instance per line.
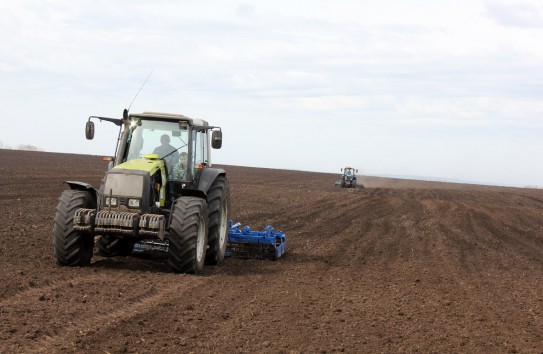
pixel 400 266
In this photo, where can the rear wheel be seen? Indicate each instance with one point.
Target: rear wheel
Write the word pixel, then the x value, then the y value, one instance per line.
pixel 218 201
pixel 72 248
pixel 112 247
pixel 188 235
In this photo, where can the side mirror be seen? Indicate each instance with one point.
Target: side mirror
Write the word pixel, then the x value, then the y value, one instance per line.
pixel 216 139
pixel 89 130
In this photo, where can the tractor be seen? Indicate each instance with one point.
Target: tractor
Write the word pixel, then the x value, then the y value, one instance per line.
pixel 159 193
pixel 348 178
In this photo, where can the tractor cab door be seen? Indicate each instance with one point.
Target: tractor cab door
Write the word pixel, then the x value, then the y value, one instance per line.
pixel 199 151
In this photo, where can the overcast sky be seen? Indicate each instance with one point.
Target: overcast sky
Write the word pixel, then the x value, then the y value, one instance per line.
pixel 443 89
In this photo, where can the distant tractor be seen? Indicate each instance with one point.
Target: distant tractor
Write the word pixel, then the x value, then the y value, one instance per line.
pixel 348 178
pixel 160 193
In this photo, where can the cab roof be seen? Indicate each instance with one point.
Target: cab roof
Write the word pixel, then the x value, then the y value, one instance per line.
pixel 175 117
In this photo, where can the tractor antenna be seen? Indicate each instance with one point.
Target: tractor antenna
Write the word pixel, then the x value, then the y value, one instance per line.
pixel 148 76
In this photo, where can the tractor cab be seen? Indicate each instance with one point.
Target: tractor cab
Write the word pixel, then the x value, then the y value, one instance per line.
pixel 169 141
pixel 171 148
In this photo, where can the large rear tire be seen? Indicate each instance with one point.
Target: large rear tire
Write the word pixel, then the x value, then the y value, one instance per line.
pixel 218 203
pixel 188 235
pixel 112 247
pixel 72 248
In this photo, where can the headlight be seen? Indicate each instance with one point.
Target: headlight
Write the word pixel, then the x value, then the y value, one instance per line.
pixel 133 203
pixel 113 201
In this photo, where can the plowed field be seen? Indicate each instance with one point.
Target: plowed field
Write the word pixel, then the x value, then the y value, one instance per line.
pixel 399 266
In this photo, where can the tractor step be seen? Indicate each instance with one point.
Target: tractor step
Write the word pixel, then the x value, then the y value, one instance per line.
pixel 244 243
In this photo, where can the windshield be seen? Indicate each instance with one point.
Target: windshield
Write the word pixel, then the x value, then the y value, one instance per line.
pixel 166 139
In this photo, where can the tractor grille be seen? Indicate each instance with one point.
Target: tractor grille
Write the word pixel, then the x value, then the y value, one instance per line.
pixel 112 222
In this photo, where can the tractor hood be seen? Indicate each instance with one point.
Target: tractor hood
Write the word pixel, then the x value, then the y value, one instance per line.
pixel 132 179
pixel 149 163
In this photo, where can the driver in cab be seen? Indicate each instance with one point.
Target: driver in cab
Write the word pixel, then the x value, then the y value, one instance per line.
pixel 168 152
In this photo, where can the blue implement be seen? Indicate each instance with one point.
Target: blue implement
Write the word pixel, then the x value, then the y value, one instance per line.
pixel 244 243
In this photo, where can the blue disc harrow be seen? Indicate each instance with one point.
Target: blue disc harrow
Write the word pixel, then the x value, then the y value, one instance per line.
pixel 244 243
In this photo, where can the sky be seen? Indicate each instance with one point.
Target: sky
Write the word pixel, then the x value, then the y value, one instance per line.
pixel 448 90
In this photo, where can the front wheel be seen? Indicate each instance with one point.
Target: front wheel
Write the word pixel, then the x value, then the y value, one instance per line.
pixel 188 235
pixel 218 201
pixel 72 248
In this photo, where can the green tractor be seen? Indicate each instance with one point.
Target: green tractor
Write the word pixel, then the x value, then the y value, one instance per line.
pixel 159 193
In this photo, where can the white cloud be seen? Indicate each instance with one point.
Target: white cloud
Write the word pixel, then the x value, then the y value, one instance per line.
pixel 517 13
pixel 245 10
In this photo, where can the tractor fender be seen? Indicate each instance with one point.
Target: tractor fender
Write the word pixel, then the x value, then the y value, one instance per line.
pixel 208 176
pixel 82 186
